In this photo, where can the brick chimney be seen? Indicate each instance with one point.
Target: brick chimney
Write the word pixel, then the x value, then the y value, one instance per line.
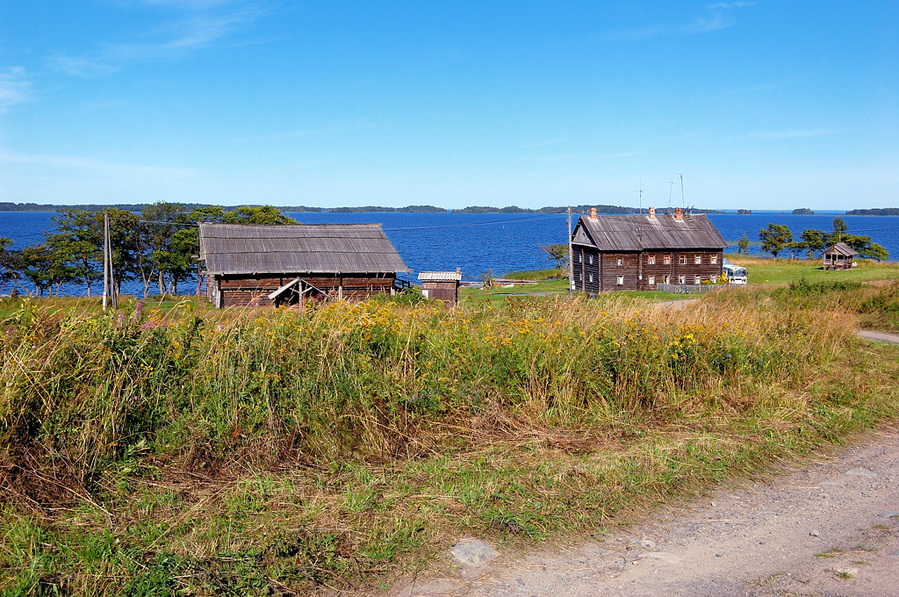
pixel 652 213
pixel 678 214
pixel 593 213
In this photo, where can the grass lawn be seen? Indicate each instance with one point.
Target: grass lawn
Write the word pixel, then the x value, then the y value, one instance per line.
pixel 785 271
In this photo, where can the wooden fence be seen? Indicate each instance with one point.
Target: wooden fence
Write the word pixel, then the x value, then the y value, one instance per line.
pixel 689 288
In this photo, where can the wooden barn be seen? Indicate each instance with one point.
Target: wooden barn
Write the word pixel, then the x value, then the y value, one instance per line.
pixel 257 265
pixel 639 252
pixel 441 285
pixel 839 256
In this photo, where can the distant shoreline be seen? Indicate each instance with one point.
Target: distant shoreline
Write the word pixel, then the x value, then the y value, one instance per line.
pixel 512 209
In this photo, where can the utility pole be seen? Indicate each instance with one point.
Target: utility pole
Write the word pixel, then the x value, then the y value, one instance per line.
pixel 109 289
pixel 105 258
pixel 198 278
pixel 570 256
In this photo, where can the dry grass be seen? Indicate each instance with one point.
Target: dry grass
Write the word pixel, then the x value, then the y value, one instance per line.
pixel 281 451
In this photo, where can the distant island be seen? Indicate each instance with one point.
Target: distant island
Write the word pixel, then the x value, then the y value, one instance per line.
pixel 476 209
pixel 133 207
pixel 883 211
pixel 803 211
pixel 744 212
pixel 418 209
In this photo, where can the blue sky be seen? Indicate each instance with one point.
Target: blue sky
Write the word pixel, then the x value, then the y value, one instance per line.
pixel 773 104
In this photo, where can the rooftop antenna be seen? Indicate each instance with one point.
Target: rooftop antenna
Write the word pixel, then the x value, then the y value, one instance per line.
pixel 670 189
pixel 640 202
pixel 682 200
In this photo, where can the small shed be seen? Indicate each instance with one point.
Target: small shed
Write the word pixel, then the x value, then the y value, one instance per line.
pixel 839 256
pixel 441 285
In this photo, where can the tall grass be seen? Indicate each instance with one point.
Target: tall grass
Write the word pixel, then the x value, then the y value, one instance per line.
pixel 371 380
pixel 315 433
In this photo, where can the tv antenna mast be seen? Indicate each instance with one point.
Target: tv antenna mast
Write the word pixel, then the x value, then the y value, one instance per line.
pixel 682 200
pixel 670 189
pixel 640 201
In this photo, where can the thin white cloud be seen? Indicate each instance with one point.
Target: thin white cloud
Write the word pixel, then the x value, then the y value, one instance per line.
pixel 789 134
pixel 319 132
pixel 544 143
pixel 196 25
pixel 15 87
pixel 728 5
pixel 580 157
pixel 80 66
pixel 65 162
pixel 717 16
pixel 189 4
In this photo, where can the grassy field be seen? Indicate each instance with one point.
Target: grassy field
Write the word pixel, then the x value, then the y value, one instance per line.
pixel 766 272
pixel 785 271
pixel 170 449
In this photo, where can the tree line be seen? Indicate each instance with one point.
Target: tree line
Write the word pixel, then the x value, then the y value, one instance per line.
pixel 160 246
pixel 778 237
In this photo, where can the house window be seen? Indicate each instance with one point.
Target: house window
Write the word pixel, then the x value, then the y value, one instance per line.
pixel 667 259
pixel 590 258
pixel 651 260
pixel 682 280
pixel 590 277
pixel 620 261
pixel 698 260
pixel 580 257
pixel 714 259
pixel 652 280
pixel 667 279
pixel 697 279
pixel 682 260
pixel 621 280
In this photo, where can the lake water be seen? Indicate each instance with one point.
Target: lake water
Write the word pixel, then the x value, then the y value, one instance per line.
pixel 501 242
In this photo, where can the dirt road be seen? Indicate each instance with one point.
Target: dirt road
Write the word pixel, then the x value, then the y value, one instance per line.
pixel 830 527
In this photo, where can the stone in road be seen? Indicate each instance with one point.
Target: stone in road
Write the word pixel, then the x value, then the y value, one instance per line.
pixel 828 528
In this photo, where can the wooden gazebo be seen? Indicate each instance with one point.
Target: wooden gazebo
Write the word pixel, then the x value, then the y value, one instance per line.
pixel 839 256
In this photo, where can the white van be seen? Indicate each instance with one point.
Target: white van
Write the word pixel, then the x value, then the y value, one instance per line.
pixel 735 274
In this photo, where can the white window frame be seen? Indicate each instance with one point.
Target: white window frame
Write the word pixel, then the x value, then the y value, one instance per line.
pixel 697 260
pixel 620 280
pixel 667 260
pixel 682 259
pixel 590 277
pixel 682 279
pixel 652 280
pixel 620 261
pixel 650 259
pixel 714 259
pixel 697 279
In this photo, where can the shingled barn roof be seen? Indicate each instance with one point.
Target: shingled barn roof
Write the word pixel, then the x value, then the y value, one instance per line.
pixel 842 248
pixel 642 233
pixel 316 249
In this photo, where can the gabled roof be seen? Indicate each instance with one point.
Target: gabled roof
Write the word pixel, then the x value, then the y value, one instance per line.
pixel 842 248
pixel 640 233
pixel 316 249
pixel 440 276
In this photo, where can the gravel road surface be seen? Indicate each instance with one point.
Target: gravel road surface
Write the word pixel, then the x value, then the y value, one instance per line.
pixel 830 527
